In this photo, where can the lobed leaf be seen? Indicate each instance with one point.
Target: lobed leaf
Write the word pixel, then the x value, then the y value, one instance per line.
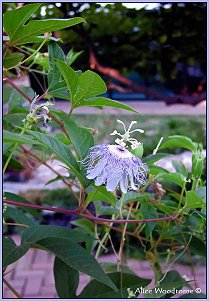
pixel 70 76
pixel 90 84
pixel 21 33
pixel 12 59
pixel 102 101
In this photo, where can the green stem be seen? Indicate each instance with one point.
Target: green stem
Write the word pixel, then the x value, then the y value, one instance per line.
pixel 71 110
pixel 14 224
pixel 13 150
pixel 122 241
pixel 182 193
pixel 31 56
pixel 101 243
pixel 194 183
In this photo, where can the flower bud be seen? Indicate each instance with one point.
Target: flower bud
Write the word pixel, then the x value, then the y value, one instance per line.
pixel 138 150
pixel 197 165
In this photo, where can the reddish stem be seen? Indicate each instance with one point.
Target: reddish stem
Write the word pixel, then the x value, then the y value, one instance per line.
pixel 92 217
pixel 59 210
pixel 18 89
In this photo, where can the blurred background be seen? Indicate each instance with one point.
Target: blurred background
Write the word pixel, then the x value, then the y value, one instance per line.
pixel 152 56
pixel 143 51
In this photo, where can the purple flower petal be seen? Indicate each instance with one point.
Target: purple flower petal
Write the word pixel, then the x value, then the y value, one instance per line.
pixel 112 183
pixel 110 165
pixel 124 183
pixel 96 170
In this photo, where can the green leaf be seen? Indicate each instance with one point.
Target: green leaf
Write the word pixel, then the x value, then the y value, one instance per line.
pixel 80 137
pixel 174 177
pixel 13 163
pixel 38 27
pixel 18 216
pixel 7 146
pixel 101 194
pixel 90 84
pixel 70 76
pixel 102 210
pixel 19 33
pixel 193 200
pixel 85 224
pixel 72 56
pixel 61 150
pixel 12 59
pixel 173 280
pixel 197 246
pixel 17 138
pixel 154 158
pixel 132 196
pixel 14 20
pixel 54 75
pixel 166 209
pixel 148 211
pixel 193 295
pixel 14 197
pixel 179 141
pixel 180 167
pixel 76 257
pixel 11 252
pixel 38 232
pixel 63 138
pixel 16 100
pixel 197 165
pixel 58 89
pixel 155 170
pixel 102 101
pixel 96 290
pixel 66 279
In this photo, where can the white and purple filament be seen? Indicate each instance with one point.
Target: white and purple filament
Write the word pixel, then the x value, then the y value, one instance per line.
pixel 114 165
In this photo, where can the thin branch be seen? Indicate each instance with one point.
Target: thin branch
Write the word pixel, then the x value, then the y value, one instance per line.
pixel 59 210
pixel 61 124
pixel 26 151
pixel 18 89
pixel 112 86
pixel 114 73
pixel 14 224
pixel 91 217
pixel 17 295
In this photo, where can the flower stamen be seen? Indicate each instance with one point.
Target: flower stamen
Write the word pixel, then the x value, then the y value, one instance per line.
pixel 126 136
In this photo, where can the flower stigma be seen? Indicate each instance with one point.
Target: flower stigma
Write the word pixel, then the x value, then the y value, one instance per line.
pixel 126 137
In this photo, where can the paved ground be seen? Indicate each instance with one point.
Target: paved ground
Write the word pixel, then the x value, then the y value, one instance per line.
pixel 32 275
pixel 154 107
